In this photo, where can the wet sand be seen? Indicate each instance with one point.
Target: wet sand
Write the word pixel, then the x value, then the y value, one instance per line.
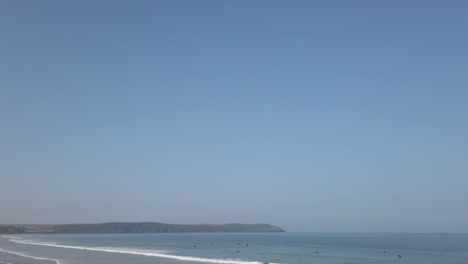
pixel 10 257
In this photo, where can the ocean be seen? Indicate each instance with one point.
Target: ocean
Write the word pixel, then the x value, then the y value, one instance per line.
pixel 235 248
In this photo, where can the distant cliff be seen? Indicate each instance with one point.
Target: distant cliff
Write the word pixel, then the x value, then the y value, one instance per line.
pixel 146 227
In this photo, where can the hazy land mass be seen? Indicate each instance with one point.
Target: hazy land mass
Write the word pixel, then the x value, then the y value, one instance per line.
pixel 144 227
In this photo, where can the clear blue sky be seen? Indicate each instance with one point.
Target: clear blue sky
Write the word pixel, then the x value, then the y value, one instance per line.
pixel 312 115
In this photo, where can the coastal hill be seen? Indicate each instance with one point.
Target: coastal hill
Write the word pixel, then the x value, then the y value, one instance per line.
pixel 145 227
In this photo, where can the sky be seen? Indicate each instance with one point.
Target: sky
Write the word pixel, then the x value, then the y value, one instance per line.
pixel 317 116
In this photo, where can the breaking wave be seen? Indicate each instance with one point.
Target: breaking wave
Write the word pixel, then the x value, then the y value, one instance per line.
pixel 158 254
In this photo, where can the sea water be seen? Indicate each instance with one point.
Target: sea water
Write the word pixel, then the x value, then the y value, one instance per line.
pixel 235 248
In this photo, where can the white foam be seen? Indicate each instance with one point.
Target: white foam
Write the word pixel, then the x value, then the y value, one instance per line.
pixel 29 256
pixel 145 253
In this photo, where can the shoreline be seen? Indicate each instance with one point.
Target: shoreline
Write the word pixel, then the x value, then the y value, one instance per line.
pixel 26 256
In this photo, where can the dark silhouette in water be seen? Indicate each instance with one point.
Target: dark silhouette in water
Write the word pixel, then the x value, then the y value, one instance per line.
pixel 237 251
pixel 399 256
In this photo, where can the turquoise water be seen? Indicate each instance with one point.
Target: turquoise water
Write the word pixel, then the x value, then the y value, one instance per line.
pixel 235 248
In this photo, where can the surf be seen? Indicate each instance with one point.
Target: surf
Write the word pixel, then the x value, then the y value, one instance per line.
pixel 29 256
pixel 144 253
